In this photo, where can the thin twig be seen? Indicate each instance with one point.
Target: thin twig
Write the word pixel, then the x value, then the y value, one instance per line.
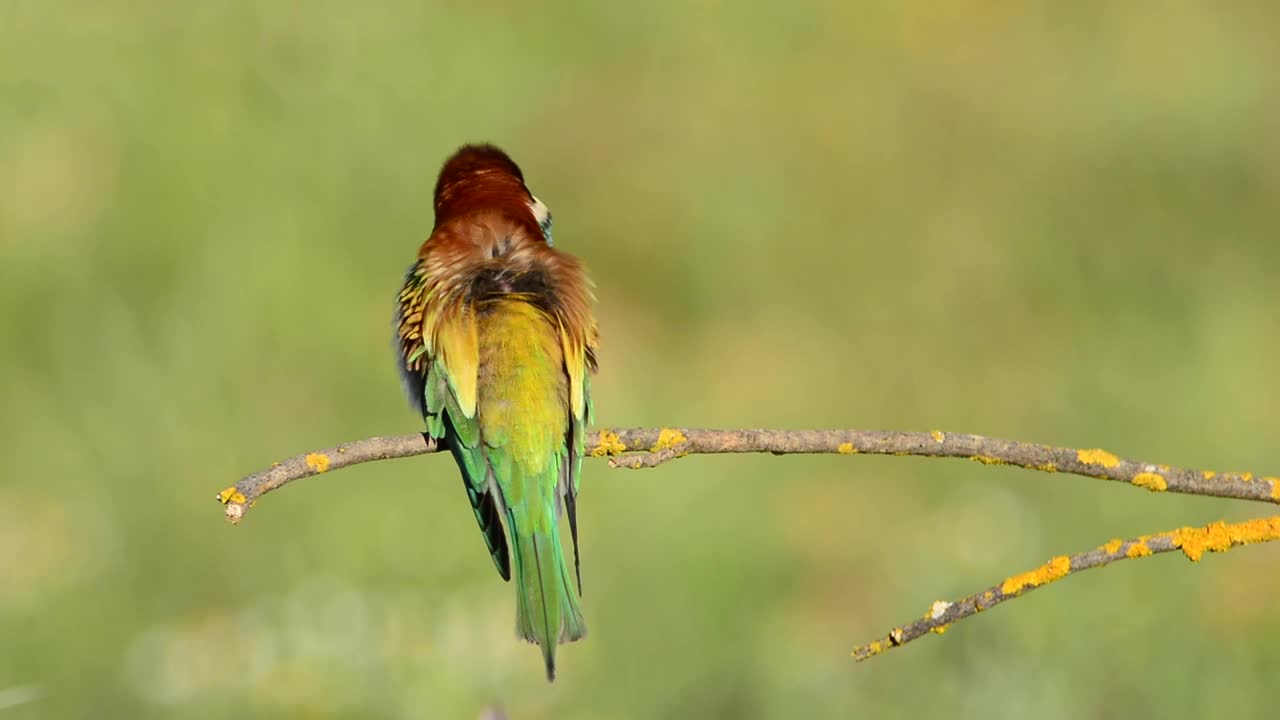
pixel 649 447
pixel 240 497
pixel 1193 542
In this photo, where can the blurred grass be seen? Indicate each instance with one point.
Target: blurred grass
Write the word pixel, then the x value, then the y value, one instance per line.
pixel 1053 222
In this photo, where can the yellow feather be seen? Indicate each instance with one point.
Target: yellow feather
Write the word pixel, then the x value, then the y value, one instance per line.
pixel 575 364
pixel 460 352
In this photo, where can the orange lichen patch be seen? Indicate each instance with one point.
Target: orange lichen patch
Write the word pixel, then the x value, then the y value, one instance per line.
pixel 608 444
pixel 1209 474
pixel 1097 456
pixel 1247 477
pixel 1151 481
pixel 1138 549
pixel 940 629
pixel 1275 489
pixel 668 438
pixel 318 462
pixel 1219 536
pixel 231 495
pixel 937 435
pixel 847 449
pixel 1056 568
pixel 987 460
pixel 1113 546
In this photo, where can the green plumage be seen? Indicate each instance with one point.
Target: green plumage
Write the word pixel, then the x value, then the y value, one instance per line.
pixel 525 444
pixel 496 340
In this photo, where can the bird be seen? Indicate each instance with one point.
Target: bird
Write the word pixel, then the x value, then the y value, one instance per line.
pixel 496 339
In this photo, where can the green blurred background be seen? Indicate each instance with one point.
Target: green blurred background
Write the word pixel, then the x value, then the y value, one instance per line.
pixel 1053 222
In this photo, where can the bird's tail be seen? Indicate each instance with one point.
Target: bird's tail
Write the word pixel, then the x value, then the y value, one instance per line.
pixel 547 609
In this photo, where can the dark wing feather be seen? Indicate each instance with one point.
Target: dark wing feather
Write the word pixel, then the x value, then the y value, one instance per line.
pixel 431 396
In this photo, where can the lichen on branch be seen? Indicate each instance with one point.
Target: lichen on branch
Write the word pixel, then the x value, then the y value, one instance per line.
pixel 635 448
pixel 1193 542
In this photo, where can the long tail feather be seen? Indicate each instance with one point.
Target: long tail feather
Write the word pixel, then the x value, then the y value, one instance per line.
pixel 571 509
pixel 547 609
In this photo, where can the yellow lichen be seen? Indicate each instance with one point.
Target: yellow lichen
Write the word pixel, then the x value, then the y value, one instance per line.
pixel 668 438
pixel 1219 536
pixel 937 435
pixel 231 495
pixel 986 459
pixel 1056 568
pixel 872 648
pixel 1195 541
pixel 1247 477
pixel 318 462
pixel 1138 549
pixel 608 444
pixel 847 449
pixel 1047 467
pixel 1275 489
pixel 895 636
pixel 1209 474
pixel 1151 481
pixel 940 629
pixel 1113 546
pixel 1097 456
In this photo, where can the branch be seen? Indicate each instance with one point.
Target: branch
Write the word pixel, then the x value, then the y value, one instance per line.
pixel 648 447
pixel 1193 542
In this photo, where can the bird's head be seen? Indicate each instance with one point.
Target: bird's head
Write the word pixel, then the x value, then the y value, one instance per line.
pixel 483 177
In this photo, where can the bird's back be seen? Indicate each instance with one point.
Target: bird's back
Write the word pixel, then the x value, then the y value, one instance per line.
pixel 523 393
pixel 496 340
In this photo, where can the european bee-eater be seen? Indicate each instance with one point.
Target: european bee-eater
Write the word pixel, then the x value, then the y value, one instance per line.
pixel 496 341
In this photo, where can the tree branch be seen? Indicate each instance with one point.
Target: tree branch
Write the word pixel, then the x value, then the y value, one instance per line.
pixel 1193 542
pixel 648 447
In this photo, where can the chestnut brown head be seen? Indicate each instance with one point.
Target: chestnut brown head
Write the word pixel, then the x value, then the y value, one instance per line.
pixel 483 176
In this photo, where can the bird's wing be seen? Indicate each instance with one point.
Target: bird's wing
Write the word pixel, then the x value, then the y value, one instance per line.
pixel 440 350
pixel 578 345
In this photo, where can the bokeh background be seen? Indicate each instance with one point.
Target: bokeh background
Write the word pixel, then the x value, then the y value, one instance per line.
pixel 1052 222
